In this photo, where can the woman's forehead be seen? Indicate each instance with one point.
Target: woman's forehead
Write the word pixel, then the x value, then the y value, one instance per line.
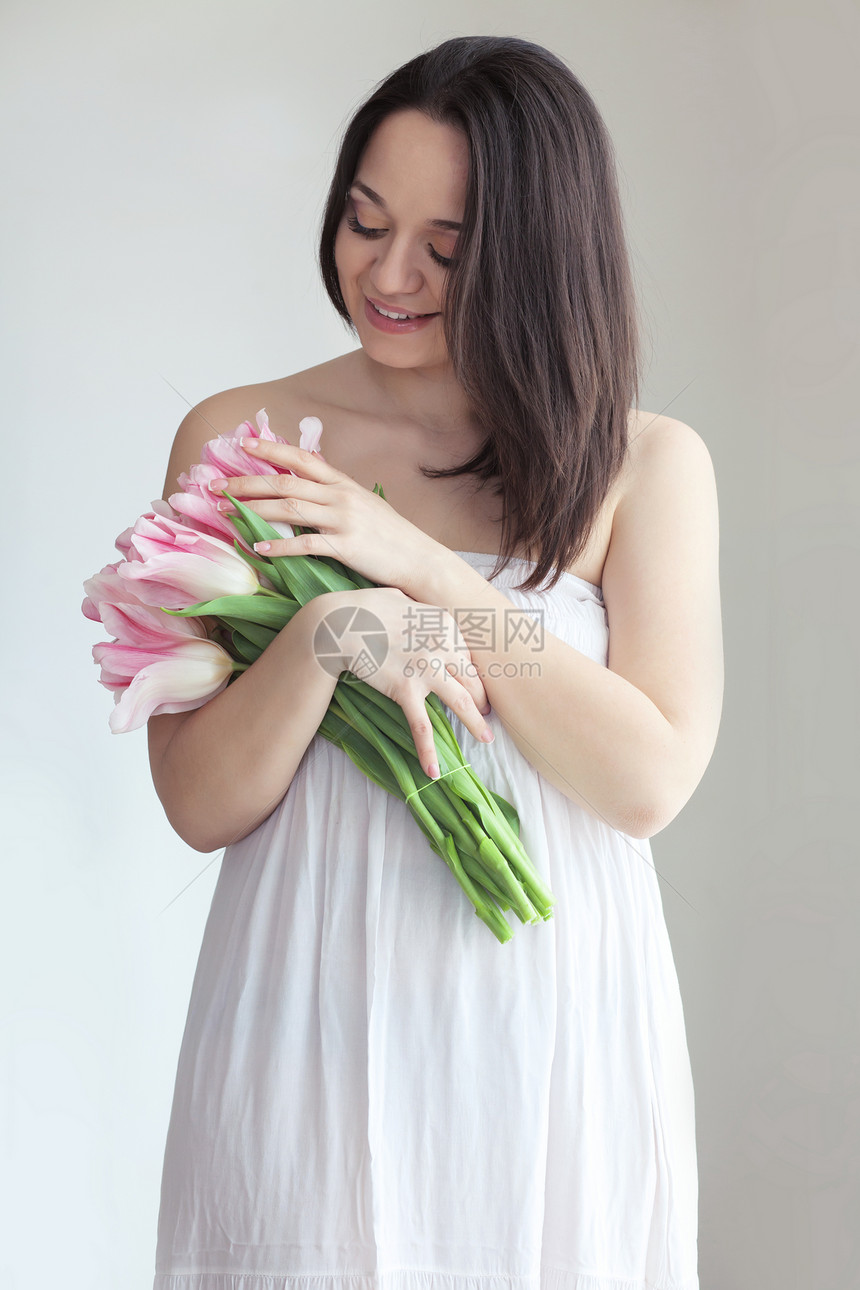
pixel 410 156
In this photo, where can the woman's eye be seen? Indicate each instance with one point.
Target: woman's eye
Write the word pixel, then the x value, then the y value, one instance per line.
pixel 353 224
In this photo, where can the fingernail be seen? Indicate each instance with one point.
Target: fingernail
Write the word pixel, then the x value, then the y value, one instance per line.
pixel 262 546
pixel 224 506
pixel 488 736
pixel 433 770
pixel 485 712
pixel 215 485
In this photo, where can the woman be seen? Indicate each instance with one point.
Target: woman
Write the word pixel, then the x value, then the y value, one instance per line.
pixel 370 1089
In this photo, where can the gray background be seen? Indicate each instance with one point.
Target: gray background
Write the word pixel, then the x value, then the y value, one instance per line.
pixel 164 167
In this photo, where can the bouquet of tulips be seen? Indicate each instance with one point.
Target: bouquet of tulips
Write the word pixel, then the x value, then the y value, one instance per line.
pixel 186 561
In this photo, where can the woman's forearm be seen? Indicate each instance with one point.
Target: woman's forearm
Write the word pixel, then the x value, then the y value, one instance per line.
pixel 590 732
pixel 221 769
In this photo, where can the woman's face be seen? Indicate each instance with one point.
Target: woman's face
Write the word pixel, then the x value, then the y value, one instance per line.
pixel 399 225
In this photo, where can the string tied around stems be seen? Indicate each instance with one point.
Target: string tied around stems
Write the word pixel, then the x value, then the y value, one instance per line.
pixel 435 781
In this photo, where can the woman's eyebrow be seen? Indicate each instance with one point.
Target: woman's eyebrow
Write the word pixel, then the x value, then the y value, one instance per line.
pixel 377 201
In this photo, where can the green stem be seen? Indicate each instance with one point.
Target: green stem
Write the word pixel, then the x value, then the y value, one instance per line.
pixel 480 876
pixel 443 842
pixel 488 912
pixel 502 853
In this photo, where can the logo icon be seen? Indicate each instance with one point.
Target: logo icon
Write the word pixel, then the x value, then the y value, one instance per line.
pixel 352 639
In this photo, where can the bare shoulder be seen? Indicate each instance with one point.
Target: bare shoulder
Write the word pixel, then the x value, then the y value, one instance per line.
pixel 217 414
pixel 658 442
pixel 667 486
pixel 222 412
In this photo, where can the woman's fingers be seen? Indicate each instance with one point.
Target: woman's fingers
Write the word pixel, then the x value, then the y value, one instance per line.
pixel 464 706
pixel 461 704
pixel 268 486
pixel 450 673
pixel 289 510
pixel 415 710
pixel 289 457
pixel 467 674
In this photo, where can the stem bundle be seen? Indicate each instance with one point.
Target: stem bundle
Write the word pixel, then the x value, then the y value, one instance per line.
pixel 475 831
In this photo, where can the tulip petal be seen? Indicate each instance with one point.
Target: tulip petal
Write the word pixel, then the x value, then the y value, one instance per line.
pixel 199 508
pixel 143 626
pixel 178 580
pixel 186 679
pixel 310 429
pixel 106 585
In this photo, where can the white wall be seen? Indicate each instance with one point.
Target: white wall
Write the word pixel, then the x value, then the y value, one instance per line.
pixel 164 167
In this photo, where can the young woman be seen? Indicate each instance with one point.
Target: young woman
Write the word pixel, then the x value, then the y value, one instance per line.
pixel 372 1091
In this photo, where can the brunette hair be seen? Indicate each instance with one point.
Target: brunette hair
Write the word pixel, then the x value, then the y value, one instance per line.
pixel 539 309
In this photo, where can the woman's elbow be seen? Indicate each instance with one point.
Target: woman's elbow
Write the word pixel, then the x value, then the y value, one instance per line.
pixel 644 821
pixel 666 802
pixel 192 827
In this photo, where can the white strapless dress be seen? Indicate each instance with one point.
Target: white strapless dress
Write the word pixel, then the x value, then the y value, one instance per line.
pixel 374 1094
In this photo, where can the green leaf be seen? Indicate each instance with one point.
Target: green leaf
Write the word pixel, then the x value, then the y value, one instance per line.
pixel 248 652
pixel 262 566
pixel 259 636
pixel 304 576
pixel 331 563
pixel 268 611
pixel 363 754
pixel 509 811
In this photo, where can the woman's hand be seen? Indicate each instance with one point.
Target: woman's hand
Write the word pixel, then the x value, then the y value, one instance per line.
pixel 424 651
pixel 354 525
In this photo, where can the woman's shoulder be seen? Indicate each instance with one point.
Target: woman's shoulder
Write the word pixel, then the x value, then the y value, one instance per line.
pixel 667 479
pixel 227 409
pixel 655 441
pixel 662 453
pixel 285 399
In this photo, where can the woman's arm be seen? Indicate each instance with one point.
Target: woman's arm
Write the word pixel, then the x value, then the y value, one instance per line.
pixel 631 741
pixel 221 769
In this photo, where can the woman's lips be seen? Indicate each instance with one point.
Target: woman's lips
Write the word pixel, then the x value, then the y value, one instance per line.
pixel 392 325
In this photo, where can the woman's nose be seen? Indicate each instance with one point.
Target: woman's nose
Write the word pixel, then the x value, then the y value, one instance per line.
pixel 395 271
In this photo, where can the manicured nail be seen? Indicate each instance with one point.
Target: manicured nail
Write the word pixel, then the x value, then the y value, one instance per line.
pixel 224 506
pixel 433 770
pixel 262 546
pixel 215 485
pixel 248 443
pixel 488 736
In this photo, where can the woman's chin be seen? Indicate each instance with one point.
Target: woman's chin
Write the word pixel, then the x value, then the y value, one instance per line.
pixel 385 351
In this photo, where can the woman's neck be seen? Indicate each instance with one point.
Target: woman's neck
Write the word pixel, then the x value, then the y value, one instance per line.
pixel 433 401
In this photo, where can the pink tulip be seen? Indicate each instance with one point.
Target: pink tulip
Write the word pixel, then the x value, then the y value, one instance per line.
pixel 106 585
pixel 224 457
pixel 310 431
pixel 198 507
pixel 173 566
pixel 150 681
pixel 144 627
pixel 230 461
pixel 123 542
pixel 111 601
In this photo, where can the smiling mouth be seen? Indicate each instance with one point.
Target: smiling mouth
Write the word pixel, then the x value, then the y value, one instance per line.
pixel 396 317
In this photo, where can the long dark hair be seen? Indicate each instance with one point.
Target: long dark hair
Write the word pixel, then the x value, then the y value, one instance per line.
pixel 539 309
